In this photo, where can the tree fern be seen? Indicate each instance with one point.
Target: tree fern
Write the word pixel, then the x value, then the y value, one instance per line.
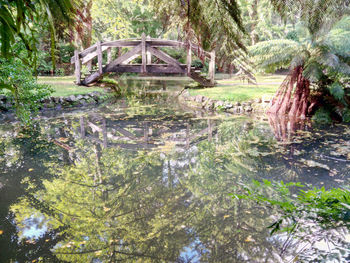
pixel 274 54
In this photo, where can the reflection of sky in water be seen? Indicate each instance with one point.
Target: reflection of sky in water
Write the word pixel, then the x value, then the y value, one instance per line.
pixel 35 227
pixel 190 254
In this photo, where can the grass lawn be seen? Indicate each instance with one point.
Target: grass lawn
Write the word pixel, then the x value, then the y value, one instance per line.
pixel 64 86
pixel 237 91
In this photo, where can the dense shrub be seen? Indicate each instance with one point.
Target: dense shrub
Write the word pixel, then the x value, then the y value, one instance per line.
pixel 18 84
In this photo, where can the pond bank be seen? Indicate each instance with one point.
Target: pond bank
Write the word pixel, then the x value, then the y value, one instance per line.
pixel 60 102
pixel 199 101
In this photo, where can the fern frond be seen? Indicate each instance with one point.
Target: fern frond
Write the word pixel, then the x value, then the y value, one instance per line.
pixel 274 54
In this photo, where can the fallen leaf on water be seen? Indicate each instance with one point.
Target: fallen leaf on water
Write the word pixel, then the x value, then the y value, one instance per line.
pixel 30 170
pixel 226 216
pixel 249 239
pixel 1 232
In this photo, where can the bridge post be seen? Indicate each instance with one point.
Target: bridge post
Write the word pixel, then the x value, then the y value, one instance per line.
pixel 143 53
pixel 99 57
pixel 109 55
pixel 149 55
pixel 212 67
pixel 89 65
pixel 77 67
pixel 189 57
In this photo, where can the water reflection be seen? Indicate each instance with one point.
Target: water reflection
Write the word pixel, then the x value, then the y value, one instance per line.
pixel 144 184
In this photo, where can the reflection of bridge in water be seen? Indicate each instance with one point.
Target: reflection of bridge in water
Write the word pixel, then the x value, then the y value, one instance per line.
pixel 142 135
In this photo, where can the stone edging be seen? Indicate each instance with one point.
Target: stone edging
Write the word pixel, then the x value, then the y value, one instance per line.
pixel 199 101
pixel 95 97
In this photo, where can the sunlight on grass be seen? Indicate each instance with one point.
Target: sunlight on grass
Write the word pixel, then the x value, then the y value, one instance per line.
pixel 235 90
pixel 64 86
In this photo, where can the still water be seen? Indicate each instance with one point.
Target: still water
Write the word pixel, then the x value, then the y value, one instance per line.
pixel 149 181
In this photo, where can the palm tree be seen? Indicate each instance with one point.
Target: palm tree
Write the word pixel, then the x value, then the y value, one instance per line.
pixel 318 59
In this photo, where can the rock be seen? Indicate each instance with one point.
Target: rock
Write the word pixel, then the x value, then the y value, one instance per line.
pixel 46 100
pixel 248 109
pixel 79 97
pixel 219 104
pixel 237 104
pixel 231 110
pixel 209 105
pixel 199 98
pixel 228 106
pixel 71 98
pixel 49 105
pixel 258 100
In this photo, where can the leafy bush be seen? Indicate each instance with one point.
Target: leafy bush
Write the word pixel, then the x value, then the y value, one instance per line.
pixel 18 84
pixel 322 116
pixel 308 217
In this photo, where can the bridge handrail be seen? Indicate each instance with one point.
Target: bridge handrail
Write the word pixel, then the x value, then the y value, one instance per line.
pixel 132 42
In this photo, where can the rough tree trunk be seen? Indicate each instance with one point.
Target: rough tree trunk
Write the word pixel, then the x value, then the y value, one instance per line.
pixel 292 97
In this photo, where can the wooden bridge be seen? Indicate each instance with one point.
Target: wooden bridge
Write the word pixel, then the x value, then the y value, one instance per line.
pixel 145 47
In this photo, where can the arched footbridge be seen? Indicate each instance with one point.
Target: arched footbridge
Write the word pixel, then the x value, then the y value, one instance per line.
pixel 147 48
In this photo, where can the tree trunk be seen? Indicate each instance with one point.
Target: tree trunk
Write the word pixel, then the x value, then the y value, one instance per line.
pixel 296 103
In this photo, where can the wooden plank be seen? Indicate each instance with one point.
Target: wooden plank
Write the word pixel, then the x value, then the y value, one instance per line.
pixel 94 127
pixel 92 55
pixel 99 57
pixel 130 59
pixel 122 58
pixel 92 78
pixel 189 57
pixel 77 68
pixel 83 53
pixel 143 54
pixel 122 43
pixel 165 43
pixel 165 57
pixel 126 133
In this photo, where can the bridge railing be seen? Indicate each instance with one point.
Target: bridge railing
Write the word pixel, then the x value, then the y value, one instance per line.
pixel 86 56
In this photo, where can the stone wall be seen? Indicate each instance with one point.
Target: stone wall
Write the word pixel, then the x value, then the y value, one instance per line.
pixel 7 104
pixel 199 101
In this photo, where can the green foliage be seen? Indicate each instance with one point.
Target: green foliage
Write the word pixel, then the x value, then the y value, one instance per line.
pixel 337 91
pixel 18 83
pixel 327 208
pixel 17 20
pixel 322 116
pixel 346 115
pixel 274 54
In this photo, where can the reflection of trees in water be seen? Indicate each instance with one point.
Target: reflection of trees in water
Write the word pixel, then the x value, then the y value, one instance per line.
pixel 110 203
pixel 119 205
pixel 285 127
pixel 22 172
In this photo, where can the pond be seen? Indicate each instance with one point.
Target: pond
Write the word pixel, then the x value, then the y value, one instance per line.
pixel 149 181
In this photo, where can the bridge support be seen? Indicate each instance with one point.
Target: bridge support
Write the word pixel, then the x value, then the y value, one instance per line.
pixel 211 70
pixel 77 68
pixel 145 47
